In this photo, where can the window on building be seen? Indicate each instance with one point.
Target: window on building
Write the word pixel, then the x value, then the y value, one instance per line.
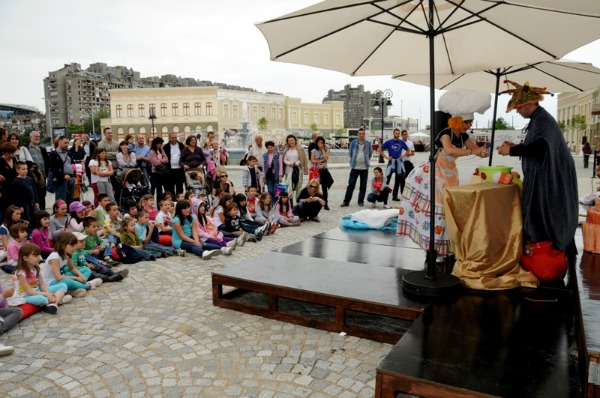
pixel 326 119
pixel 234 111
pixel 305 120
pixel 294 118
pixel 226 111
pixel 338 119
pixel 141 110
pixel 262 111
pixel 129 110
pixel 272 113
pixel 152 108
pixel 316 118
pixel 280 114
pixel 186 109
pixel 175 109
pixel 163 109
pixel 197 108
pixel 119 109
pixel 255 112
pixel 209 108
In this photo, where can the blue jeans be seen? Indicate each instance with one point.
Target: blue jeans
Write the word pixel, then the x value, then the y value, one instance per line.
pixel 40 300
pixel 64 191
pixel 272 186
pixel 382 197
pixel 191 248
pixel 354 175
pixel 159 248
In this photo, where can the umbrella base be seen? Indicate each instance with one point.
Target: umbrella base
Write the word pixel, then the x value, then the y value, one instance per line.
pixel 418 283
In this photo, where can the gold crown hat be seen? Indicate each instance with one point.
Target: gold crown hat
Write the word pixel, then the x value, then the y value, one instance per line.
pixel 524 94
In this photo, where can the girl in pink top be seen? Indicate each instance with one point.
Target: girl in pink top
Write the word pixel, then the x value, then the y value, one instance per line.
pixel 39 236
pixel 209 233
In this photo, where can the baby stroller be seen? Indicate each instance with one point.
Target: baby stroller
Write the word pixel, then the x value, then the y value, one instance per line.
pixel 197 182
pixel 132 188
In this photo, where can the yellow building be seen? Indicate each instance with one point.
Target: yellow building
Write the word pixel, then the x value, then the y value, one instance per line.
pixel 193 110
pixel 572 104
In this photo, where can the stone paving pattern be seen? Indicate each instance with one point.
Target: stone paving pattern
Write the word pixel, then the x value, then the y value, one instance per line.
pixel 157 334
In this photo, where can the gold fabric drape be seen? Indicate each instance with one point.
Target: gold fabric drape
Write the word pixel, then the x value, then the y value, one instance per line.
pixel 485 227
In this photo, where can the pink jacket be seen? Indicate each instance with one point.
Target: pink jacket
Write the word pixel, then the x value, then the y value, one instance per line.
pixel 40 238
pixel 278 211
pixel 210 231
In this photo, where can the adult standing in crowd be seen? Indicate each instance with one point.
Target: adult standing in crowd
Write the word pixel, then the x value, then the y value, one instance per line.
pixel 192 156
pixel 89 148
pixel 173 150
pixel 40 158
pixel 395 148
pixel 319 157
pixel 9 173
pixel 77 152
pixel 313 142
pixel 61 166
pixel 360 153
pixel 111 146
pixel 3 137
pixel 408 154
pixel 159 171
pixel 22 154
pixel 142 155
pixel 258 150
pixel 295 165
pixel 549 201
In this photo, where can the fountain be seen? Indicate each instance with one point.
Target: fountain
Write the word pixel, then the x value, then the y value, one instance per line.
pixel 238 142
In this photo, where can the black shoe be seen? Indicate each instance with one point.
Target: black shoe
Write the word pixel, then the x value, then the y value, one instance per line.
pixel 153 258
pixel 259 235
pixel 326 207
pixel 396 199
pixel 118 277
pixel 50 308
pixel 124 272
pixel 361 204
pixel 316 219
pixel 344 204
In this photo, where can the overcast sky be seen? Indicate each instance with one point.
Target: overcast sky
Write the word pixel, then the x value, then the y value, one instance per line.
pixel 204 39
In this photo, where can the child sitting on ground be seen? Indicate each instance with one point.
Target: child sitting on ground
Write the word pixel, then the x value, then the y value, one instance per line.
pixel 147 203
pixel 283 211
pixel 233 224
pixel 148 233
pixel 18 233
pixel 80 261
pixel 265 214
pixel 9 317
pixel 112 224
pixel 95 248
pixel 247 221
pixel 101 212
pixel 208 232
pixel 130 240
pixel 39 236
pixel 32 286
pixel 185 233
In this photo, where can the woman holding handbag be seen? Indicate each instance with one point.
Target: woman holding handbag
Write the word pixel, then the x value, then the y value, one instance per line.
pixel 319 157
pixel 295 165
pixel 160 171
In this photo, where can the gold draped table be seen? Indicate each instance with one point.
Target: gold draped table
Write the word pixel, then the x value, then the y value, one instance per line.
pixel 485 228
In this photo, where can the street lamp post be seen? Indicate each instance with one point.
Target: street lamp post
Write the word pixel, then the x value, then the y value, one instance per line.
pixel 152 118
pixel 382 99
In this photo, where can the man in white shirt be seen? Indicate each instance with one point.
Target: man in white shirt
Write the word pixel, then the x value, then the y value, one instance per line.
pixel 408 166
pixel 258 150
pixel 173 151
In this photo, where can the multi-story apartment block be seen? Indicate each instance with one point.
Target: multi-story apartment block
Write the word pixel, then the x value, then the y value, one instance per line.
pixel 21 118
pixel 358 105
pixel 194 110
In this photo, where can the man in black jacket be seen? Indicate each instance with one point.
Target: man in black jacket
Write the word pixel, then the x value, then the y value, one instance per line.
pixel 40 158
pixel 61 167
pixel 173 150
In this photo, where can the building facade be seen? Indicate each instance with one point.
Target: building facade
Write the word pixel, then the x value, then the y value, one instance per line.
pixel 358 105
pixel 197 110
pixel 21 118
pixel 580 104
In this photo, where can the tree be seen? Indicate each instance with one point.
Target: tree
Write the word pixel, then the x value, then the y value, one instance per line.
pixel 562 126
pixel 74 129
pixel 578 123
pixel 314 127
pixel 263 124
pixel 502 124
pixel 102 113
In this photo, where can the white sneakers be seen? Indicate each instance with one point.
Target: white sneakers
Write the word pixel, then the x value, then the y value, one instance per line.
pixel 226 250
pixel 6 350
pixel 386 206
pixel 66 299
pixel 206 254
pixel 95 282
pixel 232 243
pixel 78 293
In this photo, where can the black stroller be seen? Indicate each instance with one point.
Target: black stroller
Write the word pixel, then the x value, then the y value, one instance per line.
pixel 132 188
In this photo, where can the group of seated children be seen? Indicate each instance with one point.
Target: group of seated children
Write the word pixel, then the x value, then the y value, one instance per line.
pixel 77 248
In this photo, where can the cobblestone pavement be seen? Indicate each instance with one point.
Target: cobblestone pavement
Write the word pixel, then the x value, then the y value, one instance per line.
pixel 158 334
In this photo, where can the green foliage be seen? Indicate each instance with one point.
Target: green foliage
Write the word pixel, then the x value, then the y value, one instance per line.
pixel 314 127
pixel 502 124
pixel 74 129
pixel 562 126
pixel 102 113
pixel 578 122
pixel 263 124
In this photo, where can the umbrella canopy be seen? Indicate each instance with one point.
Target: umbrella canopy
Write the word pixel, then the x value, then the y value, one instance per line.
pixel 387 37
pixel 557 76
pixel 419 134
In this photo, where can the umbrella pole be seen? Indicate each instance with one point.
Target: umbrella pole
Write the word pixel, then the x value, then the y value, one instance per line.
pixel 429 282
pixel 494 118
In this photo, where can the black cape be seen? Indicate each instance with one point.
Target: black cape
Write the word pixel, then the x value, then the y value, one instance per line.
pixel 549 204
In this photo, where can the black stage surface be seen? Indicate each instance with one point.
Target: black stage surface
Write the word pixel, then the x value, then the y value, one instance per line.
pixel 519 343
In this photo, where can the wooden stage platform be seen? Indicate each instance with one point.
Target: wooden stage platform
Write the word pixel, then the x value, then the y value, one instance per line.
pixel 520 343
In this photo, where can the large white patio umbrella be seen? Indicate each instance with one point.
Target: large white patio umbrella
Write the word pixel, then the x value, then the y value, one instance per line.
pixel 557 76
pixel 387 37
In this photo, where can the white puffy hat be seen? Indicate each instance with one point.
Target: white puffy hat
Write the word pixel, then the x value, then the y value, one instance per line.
pixel 464 103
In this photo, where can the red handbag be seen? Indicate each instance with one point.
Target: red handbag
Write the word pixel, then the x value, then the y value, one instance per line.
pixel 313 172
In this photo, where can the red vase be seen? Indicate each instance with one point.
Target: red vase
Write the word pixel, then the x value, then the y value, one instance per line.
pixel 546 263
